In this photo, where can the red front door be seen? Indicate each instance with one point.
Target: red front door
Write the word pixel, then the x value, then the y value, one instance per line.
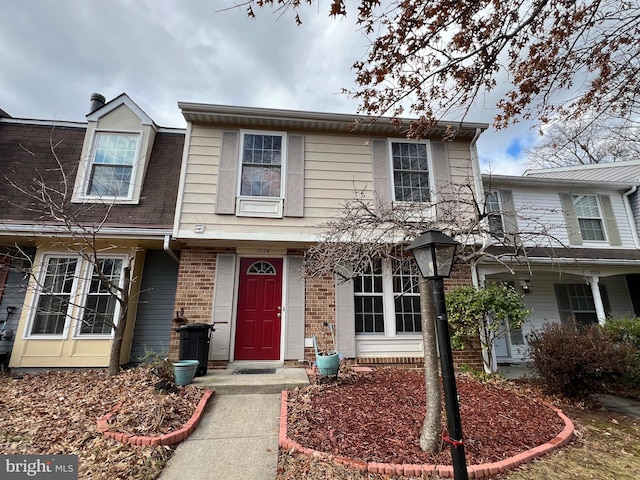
pixel 259 309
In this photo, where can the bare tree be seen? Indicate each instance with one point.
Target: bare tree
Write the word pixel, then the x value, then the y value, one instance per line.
pixel 366 230
pixel 434 58
pixel 586 141
pixel 75 228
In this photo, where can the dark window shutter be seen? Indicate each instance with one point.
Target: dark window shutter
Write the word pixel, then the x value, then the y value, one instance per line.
pixel 228 174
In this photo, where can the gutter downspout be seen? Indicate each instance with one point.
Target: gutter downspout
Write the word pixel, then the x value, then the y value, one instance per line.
pixel 479 192
pixel 632 221
pixel 165 246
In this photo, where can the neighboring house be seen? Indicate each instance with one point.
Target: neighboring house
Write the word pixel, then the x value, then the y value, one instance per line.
pixel 122 175
pixel 256 184
pixel 580 254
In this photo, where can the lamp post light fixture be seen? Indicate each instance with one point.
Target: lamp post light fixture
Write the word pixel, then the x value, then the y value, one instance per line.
pixel 434 253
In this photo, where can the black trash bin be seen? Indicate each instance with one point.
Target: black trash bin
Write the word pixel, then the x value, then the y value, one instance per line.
pixel 194 344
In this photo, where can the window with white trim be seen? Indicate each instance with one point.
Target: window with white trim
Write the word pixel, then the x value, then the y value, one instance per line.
pixel 410 171
pixel 110 172
pixel 53 304
pixel 387 300
pixel 100 310
pixel 63 294
pixel 493 210
pixel 589 218
pixel 262 158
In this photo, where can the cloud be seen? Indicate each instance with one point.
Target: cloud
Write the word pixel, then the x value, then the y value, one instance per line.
pixel 53 55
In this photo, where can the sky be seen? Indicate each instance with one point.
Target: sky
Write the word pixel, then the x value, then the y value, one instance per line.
pixel 55 53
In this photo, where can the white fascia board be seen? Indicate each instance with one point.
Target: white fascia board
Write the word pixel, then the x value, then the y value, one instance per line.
pixel 251 236
pixel 142 233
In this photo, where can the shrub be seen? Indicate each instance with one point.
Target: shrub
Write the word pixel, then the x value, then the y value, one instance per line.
pixel 493 310
pixel 627 330
pixel 578 361
pixel 624 329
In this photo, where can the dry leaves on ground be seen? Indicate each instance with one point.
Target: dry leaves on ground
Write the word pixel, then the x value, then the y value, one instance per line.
pixel 377 417
pixel 56 413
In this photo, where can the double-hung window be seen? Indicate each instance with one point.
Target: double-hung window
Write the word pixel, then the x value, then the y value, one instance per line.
pixel 111 169
pixel 494 213
pixel 387 301
pixel 410 171
pixel 56 287
pixel 589 218
pixel 100 304
pixel 576 300
pixel 261 165
pixel 64 293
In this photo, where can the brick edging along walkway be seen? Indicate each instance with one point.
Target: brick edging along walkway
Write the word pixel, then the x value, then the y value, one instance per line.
pixel 483 470
pixel 166 439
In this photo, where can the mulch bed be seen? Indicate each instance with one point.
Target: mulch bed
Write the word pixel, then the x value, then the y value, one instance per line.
pixel 56 412
pixel 377 417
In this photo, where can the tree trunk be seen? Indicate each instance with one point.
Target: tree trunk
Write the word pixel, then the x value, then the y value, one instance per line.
pixel 118 333
pixel 429 437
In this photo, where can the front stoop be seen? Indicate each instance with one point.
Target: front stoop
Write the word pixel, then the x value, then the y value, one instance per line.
pixel 225 382
pixel 484 470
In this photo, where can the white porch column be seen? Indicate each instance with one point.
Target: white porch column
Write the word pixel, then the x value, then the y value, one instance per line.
pixel 597 299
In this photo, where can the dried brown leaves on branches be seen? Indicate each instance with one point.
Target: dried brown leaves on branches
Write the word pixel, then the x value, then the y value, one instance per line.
pixel 437 57
pixel 366 230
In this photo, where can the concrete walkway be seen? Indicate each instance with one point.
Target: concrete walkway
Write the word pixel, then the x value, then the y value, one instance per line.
pixel 625 406
pixel 237 439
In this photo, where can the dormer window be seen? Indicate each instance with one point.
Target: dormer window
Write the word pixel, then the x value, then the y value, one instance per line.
pixel 111 167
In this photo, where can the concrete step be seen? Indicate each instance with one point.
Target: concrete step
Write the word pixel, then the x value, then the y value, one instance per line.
pixel 228 382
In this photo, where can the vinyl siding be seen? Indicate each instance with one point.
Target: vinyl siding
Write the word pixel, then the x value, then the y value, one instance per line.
pixel 535 206
pixel 335 168
pixel 13 296
pixel 544 306
pixel 155 305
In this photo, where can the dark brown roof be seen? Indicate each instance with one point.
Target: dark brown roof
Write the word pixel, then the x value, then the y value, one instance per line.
pixel 26 154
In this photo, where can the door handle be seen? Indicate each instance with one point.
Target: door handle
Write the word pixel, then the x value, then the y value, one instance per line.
pixel 278 314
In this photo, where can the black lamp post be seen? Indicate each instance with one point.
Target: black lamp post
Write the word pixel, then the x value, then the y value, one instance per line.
pixel 434 253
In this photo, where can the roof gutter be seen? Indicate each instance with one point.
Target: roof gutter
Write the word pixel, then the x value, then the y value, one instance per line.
pixel 165 246
pixel 630 217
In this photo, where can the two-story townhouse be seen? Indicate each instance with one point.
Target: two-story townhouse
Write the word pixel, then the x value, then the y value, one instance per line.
pixel 256 186
pixel 117 173
pixel 579 250
pixel 626 171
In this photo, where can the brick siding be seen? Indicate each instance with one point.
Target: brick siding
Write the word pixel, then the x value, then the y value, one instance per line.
pixel 320 307
pixel 194 291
